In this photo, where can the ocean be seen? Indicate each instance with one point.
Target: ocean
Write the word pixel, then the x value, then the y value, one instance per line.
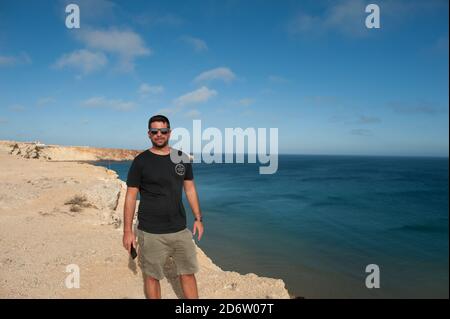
pixel 320 220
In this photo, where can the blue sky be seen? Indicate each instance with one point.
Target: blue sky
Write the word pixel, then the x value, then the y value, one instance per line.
pixel 309 68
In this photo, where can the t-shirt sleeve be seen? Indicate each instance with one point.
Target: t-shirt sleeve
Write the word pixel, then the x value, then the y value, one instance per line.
pixel 189 175
pixel 134 174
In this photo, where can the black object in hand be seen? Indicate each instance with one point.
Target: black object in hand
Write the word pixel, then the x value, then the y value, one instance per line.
pixel 133 252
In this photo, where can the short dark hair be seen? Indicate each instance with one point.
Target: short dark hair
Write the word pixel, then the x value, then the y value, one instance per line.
pixel 158 118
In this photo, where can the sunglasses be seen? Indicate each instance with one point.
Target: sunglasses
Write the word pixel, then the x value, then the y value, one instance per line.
pixel 163 130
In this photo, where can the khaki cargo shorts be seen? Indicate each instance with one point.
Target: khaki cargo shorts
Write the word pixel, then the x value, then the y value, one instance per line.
pixel 155 248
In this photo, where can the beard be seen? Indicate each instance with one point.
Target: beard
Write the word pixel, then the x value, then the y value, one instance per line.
pixel 156 145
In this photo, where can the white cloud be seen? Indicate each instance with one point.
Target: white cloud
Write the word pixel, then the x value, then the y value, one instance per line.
pixel 417 107
pixel 303 23
pixel 82 60
pixel 17 108
pixel 126 44
pixel 167 111
pixel 146 89
pixel 200 95
pixel 361 119
pixel 346 17
pixel 3 120
pixel 361 132
pixel 193 114
pixel 94 11
pixel 7 60
pixel 22 58
pixel 248 112
pixel 364 119
pixel 167 19
pixel 197 44
pixel 100 101
pixel 277 79
pixel 45 101
pixel 222 73
pixel 245 102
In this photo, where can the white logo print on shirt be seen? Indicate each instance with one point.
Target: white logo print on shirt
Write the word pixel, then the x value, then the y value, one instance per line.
pixel 179 169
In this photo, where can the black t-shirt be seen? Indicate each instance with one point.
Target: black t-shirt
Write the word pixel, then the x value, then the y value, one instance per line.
pixel 160 183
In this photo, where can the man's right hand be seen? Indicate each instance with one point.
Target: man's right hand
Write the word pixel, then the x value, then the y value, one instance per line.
pixel 129 239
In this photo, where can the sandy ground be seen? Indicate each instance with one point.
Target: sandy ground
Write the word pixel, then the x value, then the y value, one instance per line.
pixel 40 236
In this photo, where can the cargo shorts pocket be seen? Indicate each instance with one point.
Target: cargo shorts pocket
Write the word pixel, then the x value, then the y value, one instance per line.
pixel 185 253
pixel 152 255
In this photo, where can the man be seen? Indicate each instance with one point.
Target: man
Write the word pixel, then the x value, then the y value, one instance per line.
pixel 162 228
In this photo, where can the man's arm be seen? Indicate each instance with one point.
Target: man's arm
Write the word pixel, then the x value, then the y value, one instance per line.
pixel 129 208
pixel 191 194
pixel 192 197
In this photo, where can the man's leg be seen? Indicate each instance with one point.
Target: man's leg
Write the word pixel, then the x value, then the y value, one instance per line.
pixel 152 256
pixel 185 256
pixel 189 285
pixel 152 288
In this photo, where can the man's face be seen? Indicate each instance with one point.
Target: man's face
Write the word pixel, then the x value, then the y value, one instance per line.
pixel 158 138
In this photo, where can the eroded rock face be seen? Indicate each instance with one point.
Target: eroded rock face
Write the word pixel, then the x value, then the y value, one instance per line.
pixel 29 151
pixel 105 193
pixel 66 153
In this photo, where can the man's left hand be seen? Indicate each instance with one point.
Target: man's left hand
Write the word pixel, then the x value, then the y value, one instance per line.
pixel 198 226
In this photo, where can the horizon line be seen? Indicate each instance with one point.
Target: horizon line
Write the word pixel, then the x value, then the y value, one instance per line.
pixel 279 153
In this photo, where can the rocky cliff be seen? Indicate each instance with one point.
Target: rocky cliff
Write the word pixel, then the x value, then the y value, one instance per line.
pixel 35 150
